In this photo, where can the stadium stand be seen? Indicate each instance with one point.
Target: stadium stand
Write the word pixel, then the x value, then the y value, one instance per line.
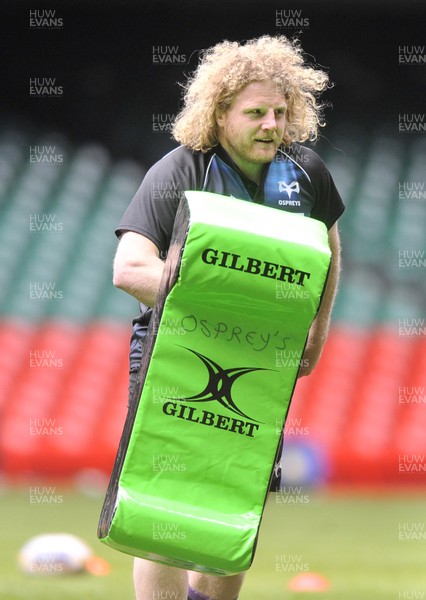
pixel 64 328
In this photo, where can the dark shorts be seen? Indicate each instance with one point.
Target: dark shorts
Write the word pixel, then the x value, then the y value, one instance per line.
pixel 274 484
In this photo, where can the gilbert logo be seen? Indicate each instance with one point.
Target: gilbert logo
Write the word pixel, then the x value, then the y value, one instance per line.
pixel 218 389
pixel 289 188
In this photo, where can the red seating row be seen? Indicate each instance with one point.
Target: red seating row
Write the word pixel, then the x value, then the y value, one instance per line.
pixel 63 398
pixel 66 382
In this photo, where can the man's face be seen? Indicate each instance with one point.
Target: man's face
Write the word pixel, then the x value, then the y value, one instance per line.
pixel 252 128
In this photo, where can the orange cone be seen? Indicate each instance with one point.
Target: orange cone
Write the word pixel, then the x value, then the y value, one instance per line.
pixel 308 582
pixel 95 565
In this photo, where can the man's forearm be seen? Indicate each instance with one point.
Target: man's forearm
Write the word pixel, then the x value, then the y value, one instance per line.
pixel 138 268
pixel 319 329
pixel 142 283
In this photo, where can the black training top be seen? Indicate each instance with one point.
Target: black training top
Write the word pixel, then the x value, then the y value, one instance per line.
pixel 297 180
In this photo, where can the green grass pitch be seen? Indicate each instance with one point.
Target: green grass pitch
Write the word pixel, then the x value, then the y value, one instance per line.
pixel 368 546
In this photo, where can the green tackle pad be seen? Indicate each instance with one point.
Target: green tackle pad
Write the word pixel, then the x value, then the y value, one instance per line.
pixel 242 284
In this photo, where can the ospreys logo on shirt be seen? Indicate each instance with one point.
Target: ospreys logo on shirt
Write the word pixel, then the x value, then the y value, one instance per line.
pixel 289 189
pixel 294 186
pixel 218 389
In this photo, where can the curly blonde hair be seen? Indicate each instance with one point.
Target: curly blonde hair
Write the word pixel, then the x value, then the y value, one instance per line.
pixel 227 67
